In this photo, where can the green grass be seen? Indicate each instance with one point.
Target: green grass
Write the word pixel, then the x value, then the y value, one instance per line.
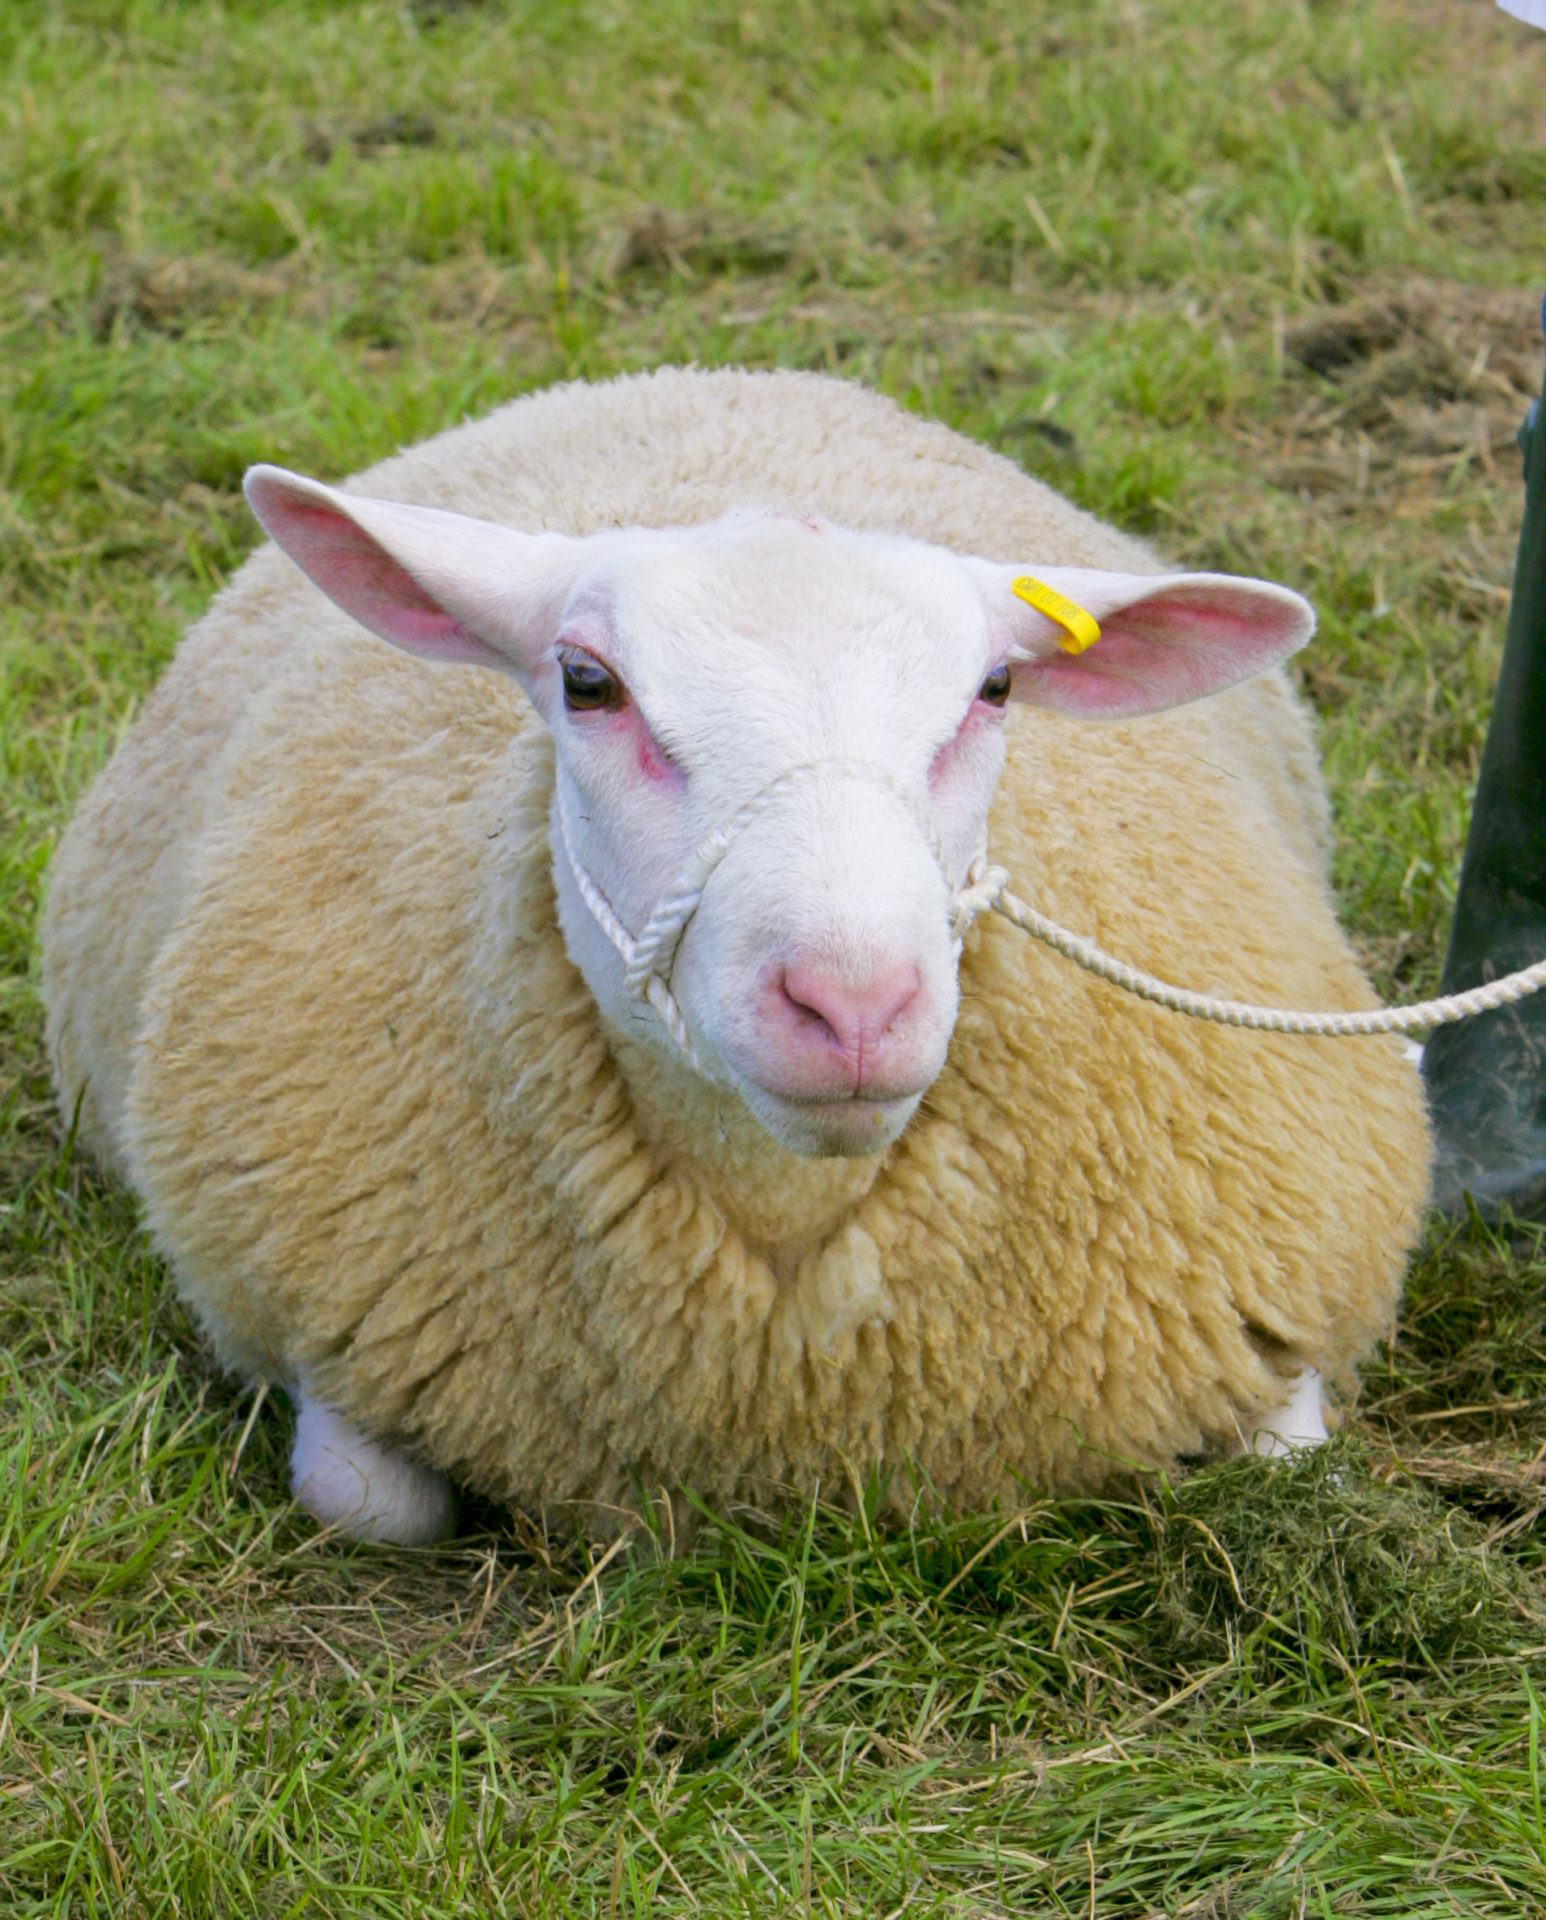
pixel 1255 281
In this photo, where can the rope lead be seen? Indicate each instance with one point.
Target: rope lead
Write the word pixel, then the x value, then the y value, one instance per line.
pixel 1420 1018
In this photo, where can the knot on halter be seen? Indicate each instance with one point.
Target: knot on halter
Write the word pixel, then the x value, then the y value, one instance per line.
pixel 648 959
pixel 985 885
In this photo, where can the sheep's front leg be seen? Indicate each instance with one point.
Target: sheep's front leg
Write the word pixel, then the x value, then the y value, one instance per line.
pixel 361 1488
pixel 1302 1423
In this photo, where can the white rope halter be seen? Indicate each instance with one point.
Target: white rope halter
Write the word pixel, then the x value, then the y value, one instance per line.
pixel 649 958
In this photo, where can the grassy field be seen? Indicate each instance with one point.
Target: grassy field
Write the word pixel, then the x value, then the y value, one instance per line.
pixel 1258 281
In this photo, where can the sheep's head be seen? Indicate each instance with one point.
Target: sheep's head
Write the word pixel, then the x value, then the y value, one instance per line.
pixel 683 670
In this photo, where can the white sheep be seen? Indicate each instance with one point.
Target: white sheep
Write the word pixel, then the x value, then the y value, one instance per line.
pixel 336 976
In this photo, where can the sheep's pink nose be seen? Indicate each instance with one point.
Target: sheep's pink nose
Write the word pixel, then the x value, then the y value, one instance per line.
pixel 855 1018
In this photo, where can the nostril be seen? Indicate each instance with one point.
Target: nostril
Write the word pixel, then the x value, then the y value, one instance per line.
pixel 855 1017
pixel 803 1001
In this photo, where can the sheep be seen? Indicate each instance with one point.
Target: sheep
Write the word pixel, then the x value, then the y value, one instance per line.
pixel 330 981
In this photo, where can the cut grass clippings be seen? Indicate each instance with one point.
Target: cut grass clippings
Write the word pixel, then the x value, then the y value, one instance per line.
pixel 1257 282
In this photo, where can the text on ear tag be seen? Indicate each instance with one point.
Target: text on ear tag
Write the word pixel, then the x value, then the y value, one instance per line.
pixel 1080 628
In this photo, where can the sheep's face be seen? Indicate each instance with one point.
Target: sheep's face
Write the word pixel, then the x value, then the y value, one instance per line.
pixel 684 671
pixel 817 975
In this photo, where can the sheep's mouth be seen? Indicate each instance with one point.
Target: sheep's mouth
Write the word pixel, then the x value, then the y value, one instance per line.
pixel 845 1128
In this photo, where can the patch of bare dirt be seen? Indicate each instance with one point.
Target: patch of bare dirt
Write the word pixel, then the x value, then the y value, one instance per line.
pixel 1416 381
pixel 387 133
pixel 694 245
pixel 170 294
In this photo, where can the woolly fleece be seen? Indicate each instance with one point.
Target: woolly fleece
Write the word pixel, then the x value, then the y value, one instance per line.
pixel 306 982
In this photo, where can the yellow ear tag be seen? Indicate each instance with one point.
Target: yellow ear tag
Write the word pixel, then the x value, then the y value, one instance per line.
pixel 1080 628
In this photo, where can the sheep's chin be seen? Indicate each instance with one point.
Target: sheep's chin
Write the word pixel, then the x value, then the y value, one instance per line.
pixel 830 1129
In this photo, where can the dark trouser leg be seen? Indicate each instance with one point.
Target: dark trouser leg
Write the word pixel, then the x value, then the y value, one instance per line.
pixel 1487 1077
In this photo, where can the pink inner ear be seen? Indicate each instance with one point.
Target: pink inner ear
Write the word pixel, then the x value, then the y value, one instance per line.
pixel 368 583
pixel 1164 652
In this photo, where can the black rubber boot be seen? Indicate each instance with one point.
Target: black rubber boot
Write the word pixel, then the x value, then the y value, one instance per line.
pixel 1487 1077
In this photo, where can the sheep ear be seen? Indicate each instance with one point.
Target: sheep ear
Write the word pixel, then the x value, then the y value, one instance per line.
pixel 438 585
pixel 1164 639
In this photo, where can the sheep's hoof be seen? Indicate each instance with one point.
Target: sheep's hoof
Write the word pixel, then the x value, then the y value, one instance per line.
pixel 1287 1430
pixel 362 1489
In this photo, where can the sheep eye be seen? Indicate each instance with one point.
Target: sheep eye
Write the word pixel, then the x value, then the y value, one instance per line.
pixel 589 687
pixel 995 689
